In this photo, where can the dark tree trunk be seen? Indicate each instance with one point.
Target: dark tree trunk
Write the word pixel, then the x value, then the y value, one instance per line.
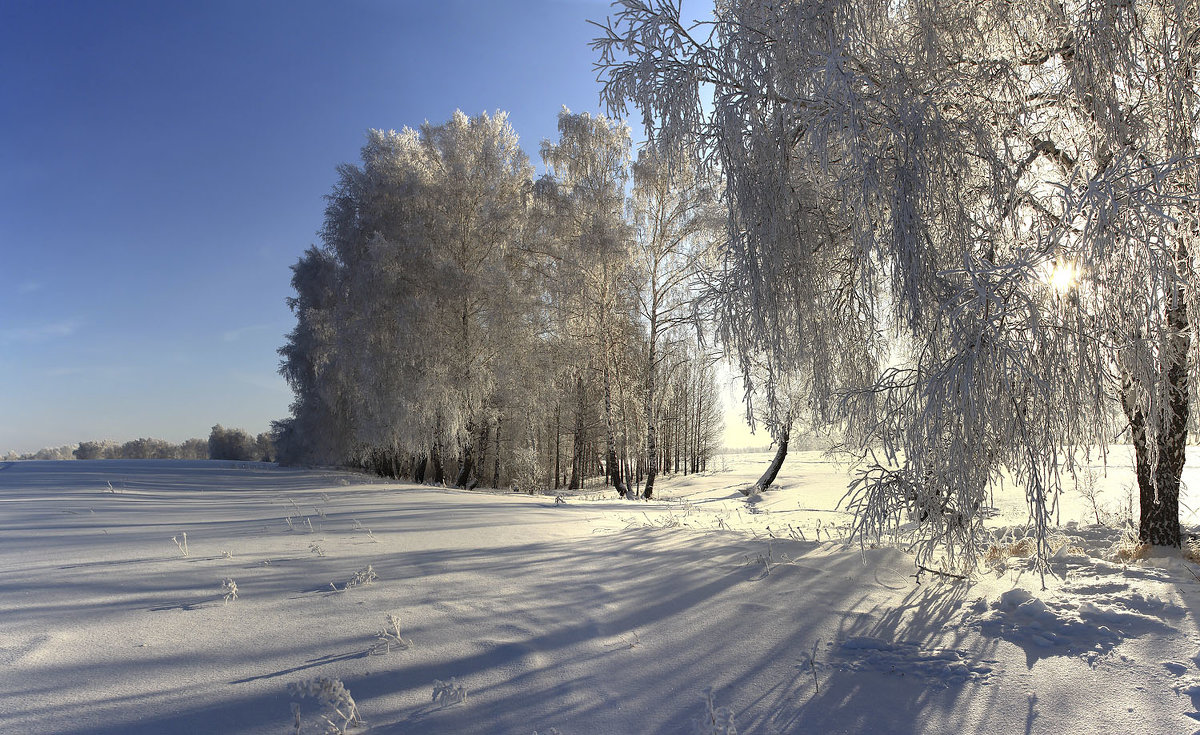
pixel 481 460
pixel 614 467
pixel 768 477
pixel 435 460
pixel 578 458
pixel 419 469
pixel 557 447
pixel 465 467
pixel 496 466
pixel 1158 490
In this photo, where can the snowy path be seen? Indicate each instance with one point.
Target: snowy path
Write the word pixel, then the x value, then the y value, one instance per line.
pixel 591 616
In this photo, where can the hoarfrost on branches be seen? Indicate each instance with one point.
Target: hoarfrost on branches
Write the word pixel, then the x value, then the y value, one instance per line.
pixel 906 184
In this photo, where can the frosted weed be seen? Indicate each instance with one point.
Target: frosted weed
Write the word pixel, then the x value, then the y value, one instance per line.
pixel 447 693
pixel 390 636
pixel 183 546
pixel 715 720
pixel 361 577
pixel 230 589
pixel 339 713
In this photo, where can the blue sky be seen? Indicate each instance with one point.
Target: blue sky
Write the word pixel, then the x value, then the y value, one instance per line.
pixel 163 163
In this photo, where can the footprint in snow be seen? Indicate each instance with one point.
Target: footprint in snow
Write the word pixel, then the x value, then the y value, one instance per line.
pixel 930 665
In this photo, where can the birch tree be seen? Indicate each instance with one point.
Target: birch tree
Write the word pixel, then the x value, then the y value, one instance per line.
pixel 675 216
pixel 590 166
pixel 901 192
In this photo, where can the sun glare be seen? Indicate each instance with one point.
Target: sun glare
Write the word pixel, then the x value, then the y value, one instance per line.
pixel 1062 275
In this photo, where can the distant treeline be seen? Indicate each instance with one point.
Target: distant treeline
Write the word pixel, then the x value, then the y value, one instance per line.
pixel 222 443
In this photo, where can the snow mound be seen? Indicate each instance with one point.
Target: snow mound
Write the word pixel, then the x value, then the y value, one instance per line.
pixel 1089 618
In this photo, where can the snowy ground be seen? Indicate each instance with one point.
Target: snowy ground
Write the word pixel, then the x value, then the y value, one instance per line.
pixel 591 616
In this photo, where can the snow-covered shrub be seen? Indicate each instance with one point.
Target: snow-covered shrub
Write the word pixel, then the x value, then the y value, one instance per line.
pixel 229 589
pixel 390 636
pixel 450 692
pixel 525 470
pixel 340 713
pixel 1007 546
pixel 715 720
pixel 1129 547
pixel 361 577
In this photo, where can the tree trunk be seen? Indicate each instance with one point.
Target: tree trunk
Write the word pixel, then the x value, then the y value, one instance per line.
pixel 651 438
pixel 419 469
pixel 1158 490
pixel 467 465
pixel 577 450
pixel 614 467
pixel 481 460
pixel 768 477
pixel 557 446
pixel 435 458
pixel 496 466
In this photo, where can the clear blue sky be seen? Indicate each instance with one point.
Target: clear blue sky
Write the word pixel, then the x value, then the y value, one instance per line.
pixel 163 163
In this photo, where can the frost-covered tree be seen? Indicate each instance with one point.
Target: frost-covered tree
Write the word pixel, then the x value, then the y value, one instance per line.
pixel 233 444
pixel 675 217
pixel 319 429
pixel 902 179
pixel 193 449
pixel 1113 196
pixel 589 166
pixel 89 450
pixel 414 304
pixel 462 323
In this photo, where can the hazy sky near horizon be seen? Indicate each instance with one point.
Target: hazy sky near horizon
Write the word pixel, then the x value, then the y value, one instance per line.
pixel 162 164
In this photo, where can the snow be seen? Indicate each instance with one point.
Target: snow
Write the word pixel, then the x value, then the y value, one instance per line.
pixel 589 615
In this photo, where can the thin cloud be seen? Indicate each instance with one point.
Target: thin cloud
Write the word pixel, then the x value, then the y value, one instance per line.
pixel 39 332
pixel 273 383
pixel 234 335
pixel 94 371
pixel 29 287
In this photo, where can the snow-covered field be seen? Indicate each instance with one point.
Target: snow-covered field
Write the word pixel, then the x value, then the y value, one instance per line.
pixel 592 615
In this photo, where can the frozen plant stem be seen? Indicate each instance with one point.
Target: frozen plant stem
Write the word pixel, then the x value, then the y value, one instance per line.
pixel 183 546
pixel 812 666
pixel 388 638
pixel 334 696
pixel 447 693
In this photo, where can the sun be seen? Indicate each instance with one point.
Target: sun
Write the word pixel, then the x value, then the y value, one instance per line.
pixel 1062 275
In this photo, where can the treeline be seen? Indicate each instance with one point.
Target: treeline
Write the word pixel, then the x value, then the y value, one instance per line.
pixel 222 443
pixel 463 323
